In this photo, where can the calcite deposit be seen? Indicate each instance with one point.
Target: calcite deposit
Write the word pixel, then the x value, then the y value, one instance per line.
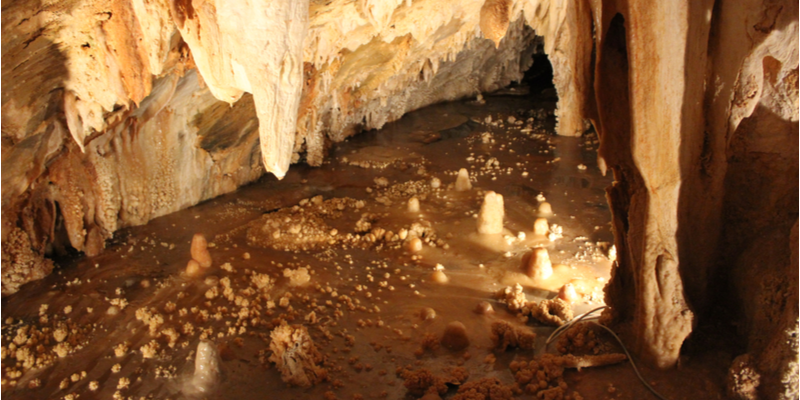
pixel 490 218
pixel 462 180
pixel 296 356
pixel 199 251
pixel 455 336
pixel 537 265
pixel 206 367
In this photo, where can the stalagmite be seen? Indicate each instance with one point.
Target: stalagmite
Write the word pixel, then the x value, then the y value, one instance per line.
pixel 439 277
pixel 537 264
pixel 206 367
pixel 568 293
pixel 462 180
pixel 199 250
pixel 490 218
pixel 455 336
pixel 484 308
pixel 414 245
pixel 540 227
pixel 427 314
pixel 545 208
pixel 192 268
pixel 413 205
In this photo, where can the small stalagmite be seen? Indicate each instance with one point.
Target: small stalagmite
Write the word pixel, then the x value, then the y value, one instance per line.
pixel 537 264
pixel 427 314
pixel 192 268
pixel 439 277
pixel 490 218
pixel 206 366
pixel 545 208
pixel 462 180
pixel 612 253
pixel 568 293
pixel 484 308
pixel 436 183
pixel 413 205
pixel 415 245
pixel 455 336
pixel 540 227
pixel 200 250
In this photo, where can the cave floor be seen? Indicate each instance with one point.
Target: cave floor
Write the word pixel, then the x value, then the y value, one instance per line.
pixel 366 291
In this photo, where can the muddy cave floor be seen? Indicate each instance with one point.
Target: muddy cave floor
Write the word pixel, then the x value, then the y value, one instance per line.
pixel 367 297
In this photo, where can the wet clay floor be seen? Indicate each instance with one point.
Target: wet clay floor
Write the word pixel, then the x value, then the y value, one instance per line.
pixel 333 249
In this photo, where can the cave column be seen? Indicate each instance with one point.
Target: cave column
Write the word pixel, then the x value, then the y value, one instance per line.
pixel 570 51
pixel 666 92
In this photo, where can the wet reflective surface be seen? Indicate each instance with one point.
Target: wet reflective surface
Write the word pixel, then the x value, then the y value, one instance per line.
pixel 135 318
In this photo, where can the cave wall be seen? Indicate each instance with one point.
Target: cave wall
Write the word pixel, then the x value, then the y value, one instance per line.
pixel 116 112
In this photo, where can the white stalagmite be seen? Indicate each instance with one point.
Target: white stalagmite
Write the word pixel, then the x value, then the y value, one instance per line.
pixel 568 293
pixel 537 265
pixel 414 245
pixel 193 268
pixel 266 59
pixel 462 180
pixel 413 205
pixel 490 218
pixel 540 226
pixel 545 208
pixel 206 367
pixel 439 277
